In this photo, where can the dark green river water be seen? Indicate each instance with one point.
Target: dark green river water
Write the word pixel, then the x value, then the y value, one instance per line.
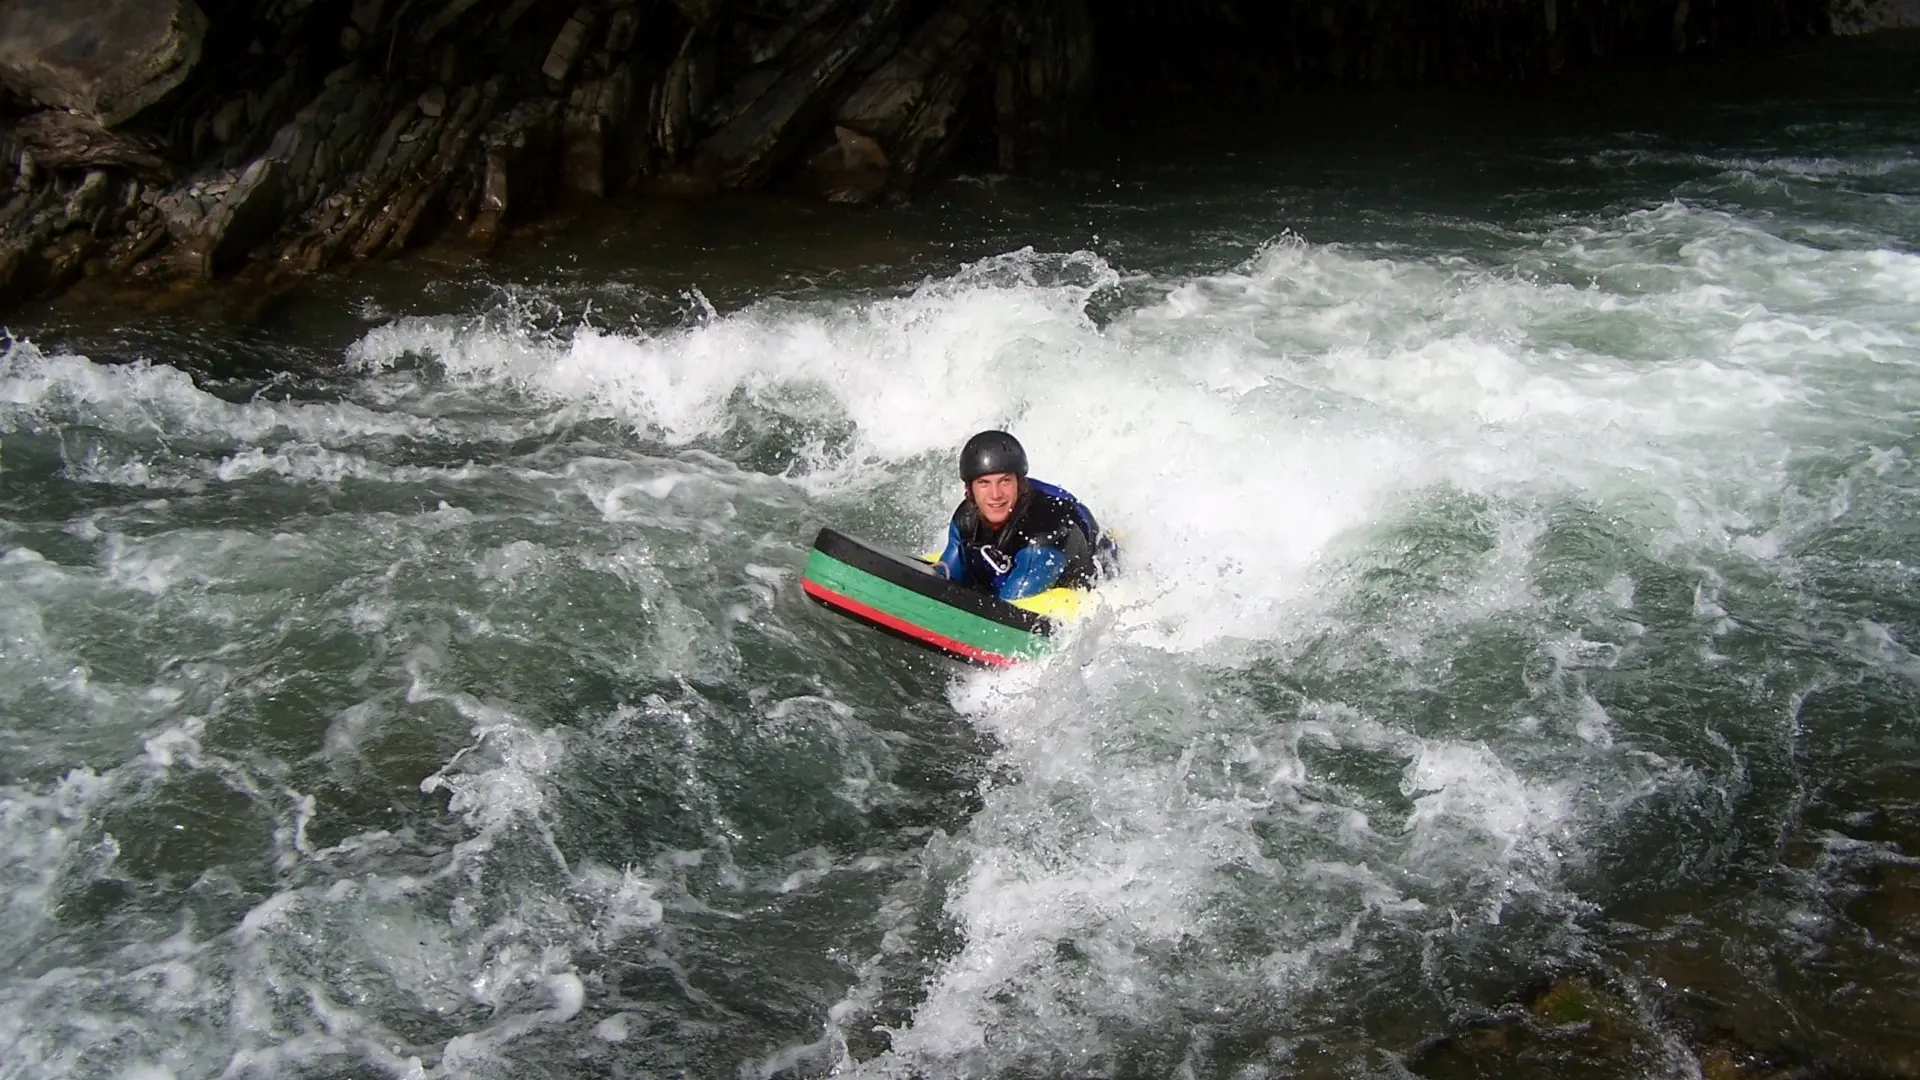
pixel 407 675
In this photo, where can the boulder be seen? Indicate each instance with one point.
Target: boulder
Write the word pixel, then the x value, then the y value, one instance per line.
pixel 106 59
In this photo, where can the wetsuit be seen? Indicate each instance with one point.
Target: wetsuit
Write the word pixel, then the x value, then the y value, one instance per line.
pixel 1050 541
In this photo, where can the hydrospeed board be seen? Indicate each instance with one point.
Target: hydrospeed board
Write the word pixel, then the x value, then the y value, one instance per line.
pixel 906 599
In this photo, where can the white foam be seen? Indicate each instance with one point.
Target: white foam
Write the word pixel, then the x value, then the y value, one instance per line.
pixel 163 401
pixel 1473 811
pixel 1236 431
pixel 42 836
pixel 628 902
pixel 499 779
pixel 614 1029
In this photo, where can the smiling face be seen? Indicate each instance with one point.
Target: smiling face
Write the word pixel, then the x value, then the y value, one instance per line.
pixel 994 495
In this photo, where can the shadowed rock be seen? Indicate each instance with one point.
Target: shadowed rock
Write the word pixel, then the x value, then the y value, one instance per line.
pixel 909 104
pixel 745 152
pixel 106 59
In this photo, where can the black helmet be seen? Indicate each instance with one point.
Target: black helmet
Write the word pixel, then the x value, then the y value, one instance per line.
pixel 992 452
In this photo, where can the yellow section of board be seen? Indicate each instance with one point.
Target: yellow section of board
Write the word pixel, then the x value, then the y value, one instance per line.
pixel 1060 605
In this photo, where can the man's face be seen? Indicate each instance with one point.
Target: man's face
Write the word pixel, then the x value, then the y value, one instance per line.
pixel 994 495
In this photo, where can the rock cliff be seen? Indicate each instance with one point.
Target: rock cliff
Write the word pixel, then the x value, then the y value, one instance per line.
pixel 179 140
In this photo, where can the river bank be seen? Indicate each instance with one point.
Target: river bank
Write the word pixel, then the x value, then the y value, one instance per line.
pixel 169 142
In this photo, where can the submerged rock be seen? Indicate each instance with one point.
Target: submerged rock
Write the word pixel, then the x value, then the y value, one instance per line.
pixel 1576 1027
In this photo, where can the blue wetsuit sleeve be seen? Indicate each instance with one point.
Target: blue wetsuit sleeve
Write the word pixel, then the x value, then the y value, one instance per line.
pixel 1035 569
pixel 950 564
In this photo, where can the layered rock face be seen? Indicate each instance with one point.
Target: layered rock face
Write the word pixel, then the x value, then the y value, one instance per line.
pixel 152 138
pixel 181 140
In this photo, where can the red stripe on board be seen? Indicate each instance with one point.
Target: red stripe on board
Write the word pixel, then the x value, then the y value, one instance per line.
pixel 921 633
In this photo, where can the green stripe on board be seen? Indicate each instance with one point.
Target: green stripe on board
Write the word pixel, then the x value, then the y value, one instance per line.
pixel 910 606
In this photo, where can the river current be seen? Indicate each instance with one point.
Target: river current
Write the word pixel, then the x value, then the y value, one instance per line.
pixel 1515 670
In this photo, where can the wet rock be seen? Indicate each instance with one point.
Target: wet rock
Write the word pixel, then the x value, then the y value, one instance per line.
pixel 911 102
pixel 621 29
pixel 593 151
pixel 181 214
pixel 376 163
pixel 1574 1000
pixel 857 151
pixel 496 198
pixel 853 170
pixel 87 199
pixel 567 45
pixel 745 152
pixel 449 13
pixel 144 242
pixel 28 168
pixel 105 59
pixel 746 90
pixel 64 140
pixel 514 175
pixel 1574 1028
pixel 264 106
pixel 426 168
pixel 227 120
pixel 65 260
pixel 1729 1063
pixel 681 95
pixel 884 101
pixel 584 165
pixel 238 221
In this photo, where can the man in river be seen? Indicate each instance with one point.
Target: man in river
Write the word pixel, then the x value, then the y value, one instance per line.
pixel 1013 536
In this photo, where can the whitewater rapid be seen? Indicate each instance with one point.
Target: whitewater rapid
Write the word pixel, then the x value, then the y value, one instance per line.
pixel 465 718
